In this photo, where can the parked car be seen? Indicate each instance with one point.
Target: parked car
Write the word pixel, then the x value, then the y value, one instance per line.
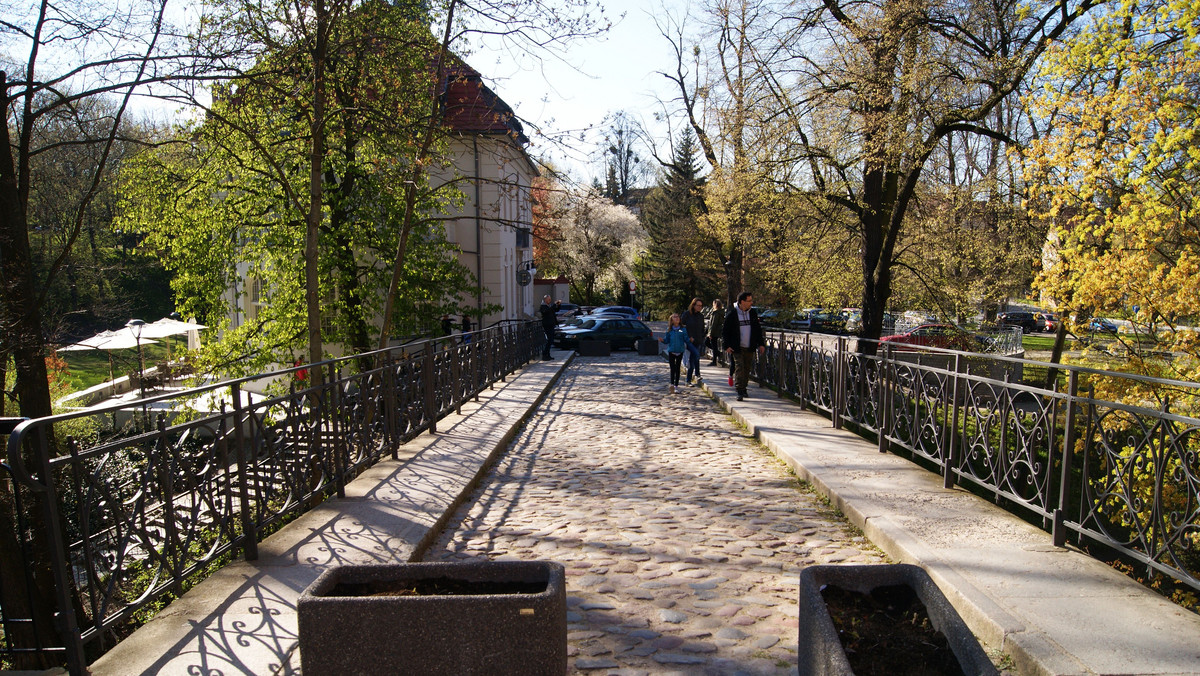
pixel 1101 325
pixel 1025 320
pixel 919 317
pixel 780 319
pixel 819 320
pixel 1048 321
pixel 945 336
pixel 853 318
pixel 620 332
pixel 623 310
pixel 566 311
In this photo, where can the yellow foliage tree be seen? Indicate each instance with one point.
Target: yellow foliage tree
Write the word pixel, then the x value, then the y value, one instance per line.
pixel 1119 176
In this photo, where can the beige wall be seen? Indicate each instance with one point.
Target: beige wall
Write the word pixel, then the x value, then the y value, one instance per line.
pixel 496 202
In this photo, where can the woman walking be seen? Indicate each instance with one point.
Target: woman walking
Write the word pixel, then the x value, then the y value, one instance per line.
pixel 693 322
pixel 716 323
pixel 676 340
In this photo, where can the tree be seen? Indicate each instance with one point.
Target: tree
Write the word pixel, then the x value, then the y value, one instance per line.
pixel 1118 175
pixel 624 169
pixel 678 263
pixel 599 243
pixel 228 205
pixel 32 94
pixel 870 91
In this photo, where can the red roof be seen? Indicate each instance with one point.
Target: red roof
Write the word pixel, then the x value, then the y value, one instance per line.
pixel 470 106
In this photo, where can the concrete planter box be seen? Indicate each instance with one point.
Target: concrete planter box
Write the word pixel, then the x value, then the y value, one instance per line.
pixel 348 625
pixel 648 347
pixel 820 651
pixel 594 348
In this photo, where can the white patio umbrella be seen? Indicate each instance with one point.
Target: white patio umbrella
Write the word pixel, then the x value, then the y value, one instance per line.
pixel 168 327
pixel 107 341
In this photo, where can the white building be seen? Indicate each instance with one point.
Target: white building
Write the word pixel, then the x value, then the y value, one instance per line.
pixel 492 228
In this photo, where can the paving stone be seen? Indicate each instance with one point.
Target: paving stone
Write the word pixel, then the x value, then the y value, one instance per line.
pixel 588 664
pixel 677 658
pixel 672 616
pixel 676 520
pixel 764 642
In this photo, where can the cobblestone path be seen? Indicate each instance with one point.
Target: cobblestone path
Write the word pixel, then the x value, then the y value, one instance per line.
pixel 682 538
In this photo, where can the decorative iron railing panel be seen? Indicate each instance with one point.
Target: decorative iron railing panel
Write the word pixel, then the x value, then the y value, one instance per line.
pixel 1124 477
pixel 140 514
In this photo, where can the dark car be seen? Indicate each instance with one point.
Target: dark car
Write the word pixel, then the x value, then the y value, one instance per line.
pixel 819 321
pixel 777 318
pixel 1102 325
pixel 945 336
pixel 1025 320
pixel 623 310
pixel 618 331
pixel 566 311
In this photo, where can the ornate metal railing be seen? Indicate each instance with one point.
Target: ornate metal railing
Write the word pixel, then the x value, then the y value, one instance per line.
pixel 1120 479
pixel 174 485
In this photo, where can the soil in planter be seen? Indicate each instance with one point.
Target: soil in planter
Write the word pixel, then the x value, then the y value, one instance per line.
pixel 888 633
pixel 435 586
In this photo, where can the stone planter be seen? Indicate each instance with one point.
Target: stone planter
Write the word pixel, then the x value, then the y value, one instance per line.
pixel 497 617
pixel 594 348
pixel 820 651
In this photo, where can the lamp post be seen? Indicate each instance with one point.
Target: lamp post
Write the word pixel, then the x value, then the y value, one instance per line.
pixel 135 327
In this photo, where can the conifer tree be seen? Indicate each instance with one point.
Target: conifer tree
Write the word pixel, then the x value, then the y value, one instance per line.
pixel 680 262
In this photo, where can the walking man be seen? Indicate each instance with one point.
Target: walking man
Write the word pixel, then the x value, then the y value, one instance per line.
pixel 549 321
pixel 743 336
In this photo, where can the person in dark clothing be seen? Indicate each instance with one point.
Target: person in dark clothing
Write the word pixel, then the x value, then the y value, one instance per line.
pixel 466 329
pixel 716 324
pixel 447 325
pixel 743 337
pixel 693 323
pixel 549 321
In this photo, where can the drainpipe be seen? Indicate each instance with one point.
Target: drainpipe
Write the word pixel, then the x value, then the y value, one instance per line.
pixel 478 231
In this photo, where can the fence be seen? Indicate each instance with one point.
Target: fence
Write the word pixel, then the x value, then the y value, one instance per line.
pixel 122 524
pixel 1120 480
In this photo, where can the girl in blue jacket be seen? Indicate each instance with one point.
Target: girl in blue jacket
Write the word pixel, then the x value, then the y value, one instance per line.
pixel 676 339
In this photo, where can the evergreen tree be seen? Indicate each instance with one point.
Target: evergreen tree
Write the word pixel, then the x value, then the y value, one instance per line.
pixel 679 262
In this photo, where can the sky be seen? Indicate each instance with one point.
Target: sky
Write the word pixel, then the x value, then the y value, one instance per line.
pixel 596 77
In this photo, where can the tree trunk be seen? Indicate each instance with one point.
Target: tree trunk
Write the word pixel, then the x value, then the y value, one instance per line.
pixel 21 326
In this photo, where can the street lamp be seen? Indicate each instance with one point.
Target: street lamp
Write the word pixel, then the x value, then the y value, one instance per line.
pixel 135 327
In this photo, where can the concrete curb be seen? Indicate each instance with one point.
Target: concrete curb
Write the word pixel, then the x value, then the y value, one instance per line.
pixel 1053 611
pixel 242 619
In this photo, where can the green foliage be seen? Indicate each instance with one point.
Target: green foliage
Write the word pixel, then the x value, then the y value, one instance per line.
pixel 680 262
pixel 225 206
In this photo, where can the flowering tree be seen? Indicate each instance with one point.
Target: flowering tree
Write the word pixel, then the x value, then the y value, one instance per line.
pixel 597 244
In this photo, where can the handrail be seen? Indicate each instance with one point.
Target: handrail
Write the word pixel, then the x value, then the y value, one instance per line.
pixel 130 519
pixel 1116 475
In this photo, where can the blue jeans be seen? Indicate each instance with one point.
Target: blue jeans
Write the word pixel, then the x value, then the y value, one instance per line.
pixel 693 360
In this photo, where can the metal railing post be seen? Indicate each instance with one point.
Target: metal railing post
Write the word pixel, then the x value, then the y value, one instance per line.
pixel 166 482
pixel 1058 531
pixel 430 399
pixel 388 381
pixel 951 455
pixel 885 397
pixel 839 383
pixel 780 354
pixel 341 455
pixel 249 529
pixel 805 368
pixel 64 616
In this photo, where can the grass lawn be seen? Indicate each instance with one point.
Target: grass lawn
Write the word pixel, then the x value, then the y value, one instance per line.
pixel 87 368
pixel 1040 341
